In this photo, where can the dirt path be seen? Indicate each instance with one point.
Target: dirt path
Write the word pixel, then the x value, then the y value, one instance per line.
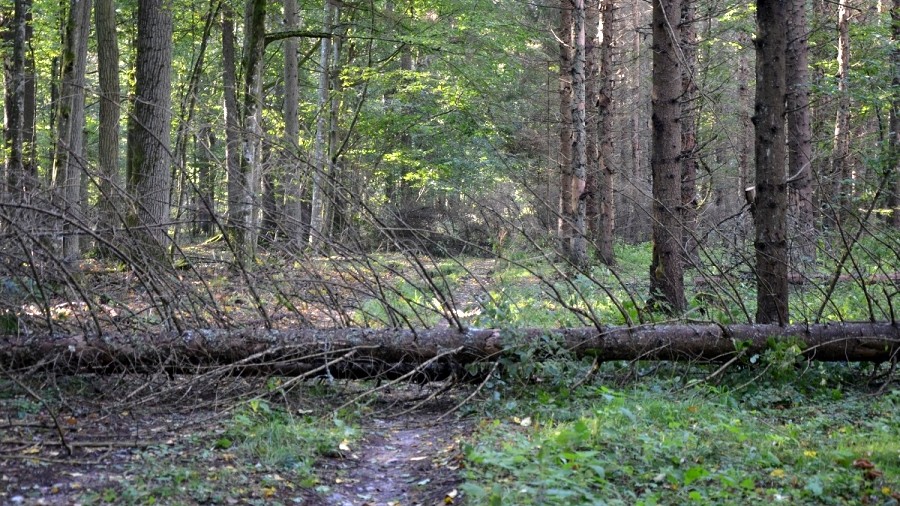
pixel 399 462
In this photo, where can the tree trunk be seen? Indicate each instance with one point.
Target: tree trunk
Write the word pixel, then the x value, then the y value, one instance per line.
pixel 236 198
pixel 320 160
pixel 606 175
pixel 567 209
pixel 251 119
pixel 840 153
pixel 69 161
pixel 690 116
pixel 799 132
pixel 110 183
pixel 293 201
pixel 770 207
pixel 893 167
pixel 666 270
pixel 745 122
pixel 149 157
pixel 15 127
pixel 578 244
pixel 389 353
pixel 205 142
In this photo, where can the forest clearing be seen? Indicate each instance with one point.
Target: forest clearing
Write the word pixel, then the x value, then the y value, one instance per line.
pixel 438 252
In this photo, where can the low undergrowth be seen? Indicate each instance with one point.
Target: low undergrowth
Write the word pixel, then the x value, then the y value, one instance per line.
pixel 798 437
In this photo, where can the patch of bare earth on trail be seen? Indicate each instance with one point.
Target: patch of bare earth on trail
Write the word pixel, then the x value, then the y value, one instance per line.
pixel 401 461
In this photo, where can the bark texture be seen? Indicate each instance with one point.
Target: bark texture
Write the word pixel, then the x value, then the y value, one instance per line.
pixel 293 199
pixel 320 157
pixel 566 202
pixel 606 174
pixel 578 242
pixel 690 118
pixel 69 159
pixel 666 269
pixel 802 207
pixel 236 198
pixel 110 183
pixel 893 167
pixel 770 207
pixel 364 353
pixel 840 152
pixel 149 159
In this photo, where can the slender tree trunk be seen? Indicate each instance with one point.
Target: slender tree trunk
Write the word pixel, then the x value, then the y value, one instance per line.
pixel 770 214
pixel 840 154
pixel 110 185
pixel 70 161
pixel 606 174
pixel 893 158
pixel 566 135
pixel 745 108
pixel 293 202
pixel 206 201
pixel 15 127
pixel 591 85
pixel 690 108
pixel 251 119
pixel 578 246
pixel 149 156
pixel 236 198
pixel 334 211
pixel 800 131
pixel 666 270
pixel 320 160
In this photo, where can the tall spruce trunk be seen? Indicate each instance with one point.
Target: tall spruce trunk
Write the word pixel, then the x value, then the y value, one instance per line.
pixel 893 167
pixel 578 242
pixel 149 159
pixel 840 153
pixel 606 174
pixel 802 207
pixel 69 160
pixel 566 203
pixel 690 115
pixel 770 207
pixel 666 269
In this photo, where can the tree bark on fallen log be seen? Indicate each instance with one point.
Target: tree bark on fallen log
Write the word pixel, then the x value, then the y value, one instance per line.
pixel 392 353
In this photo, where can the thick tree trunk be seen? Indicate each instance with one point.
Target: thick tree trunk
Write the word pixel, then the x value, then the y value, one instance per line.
pixel 840 153
pixel 770 208
pixel 606 174
pixel 149 157
pixel 666 269
pixel 359 353
pixel 70 162
pixel 800 132
pixel 566 202
pixel 110 184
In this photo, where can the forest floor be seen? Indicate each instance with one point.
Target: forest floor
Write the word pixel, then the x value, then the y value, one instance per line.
pixel 213 454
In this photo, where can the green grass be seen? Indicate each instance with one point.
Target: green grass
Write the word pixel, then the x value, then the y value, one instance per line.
pixel 653 443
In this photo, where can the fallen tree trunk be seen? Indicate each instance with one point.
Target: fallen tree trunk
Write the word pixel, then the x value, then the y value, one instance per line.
pixel 391 353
